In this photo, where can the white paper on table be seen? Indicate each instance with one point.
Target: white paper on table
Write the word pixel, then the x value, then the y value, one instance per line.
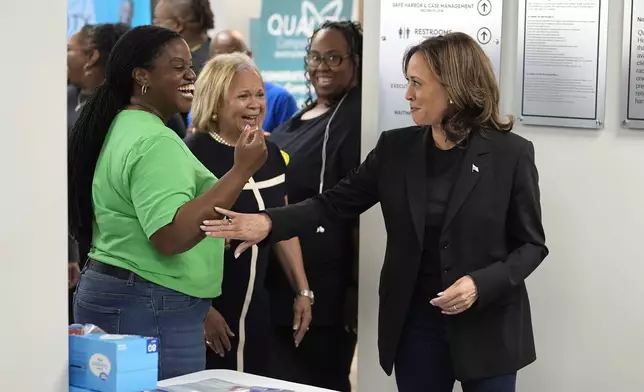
pixel 215 385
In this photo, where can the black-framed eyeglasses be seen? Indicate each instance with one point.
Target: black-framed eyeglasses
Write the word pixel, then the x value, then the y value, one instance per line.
pixel 332 60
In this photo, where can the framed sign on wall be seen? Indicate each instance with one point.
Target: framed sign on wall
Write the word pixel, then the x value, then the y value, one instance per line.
pixel 562 63
pixel 632 86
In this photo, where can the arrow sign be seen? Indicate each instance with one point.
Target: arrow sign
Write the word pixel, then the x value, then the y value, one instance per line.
pixel 484 7
pixel 484 35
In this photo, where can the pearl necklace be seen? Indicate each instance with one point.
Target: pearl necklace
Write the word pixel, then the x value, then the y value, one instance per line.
pixel 219 139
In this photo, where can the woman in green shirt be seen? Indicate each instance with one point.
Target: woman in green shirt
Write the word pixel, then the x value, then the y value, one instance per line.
pixel 140 195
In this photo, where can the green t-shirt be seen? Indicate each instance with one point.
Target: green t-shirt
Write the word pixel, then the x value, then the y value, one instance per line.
pixel 144 174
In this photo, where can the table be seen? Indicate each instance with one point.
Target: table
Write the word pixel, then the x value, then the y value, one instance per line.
pixel 240 378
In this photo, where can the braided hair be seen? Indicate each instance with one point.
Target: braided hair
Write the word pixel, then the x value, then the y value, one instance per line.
pixel 138 48
pixel 197 13
pixel 352 32
pixel 103 37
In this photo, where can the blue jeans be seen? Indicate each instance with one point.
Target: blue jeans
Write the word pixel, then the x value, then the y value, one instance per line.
pixel 423 362
pixel 139 307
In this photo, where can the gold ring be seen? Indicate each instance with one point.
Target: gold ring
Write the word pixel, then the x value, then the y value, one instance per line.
pixel 455 309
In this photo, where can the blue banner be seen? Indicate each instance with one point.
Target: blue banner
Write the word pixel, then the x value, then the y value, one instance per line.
pixel 278 38
pixel 131 12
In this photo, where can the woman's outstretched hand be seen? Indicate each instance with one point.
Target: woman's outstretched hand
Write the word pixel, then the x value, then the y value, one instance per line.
pixel 249 228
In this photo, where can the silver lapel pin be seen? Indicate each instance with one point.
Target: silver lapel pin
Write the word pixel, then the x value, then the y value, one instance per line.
pixel 475 168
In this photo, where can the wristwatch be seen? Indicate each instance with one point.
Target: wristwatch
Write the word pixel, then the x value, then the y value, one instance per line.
pixel 306 293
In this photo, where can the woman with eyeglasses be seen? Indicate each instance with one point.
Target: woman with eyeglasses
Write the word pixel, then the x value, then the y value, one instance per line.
pixel 323 145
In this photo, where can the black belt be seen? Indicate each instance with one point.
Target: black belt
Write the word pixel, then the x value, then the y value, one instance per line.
pixel 114 271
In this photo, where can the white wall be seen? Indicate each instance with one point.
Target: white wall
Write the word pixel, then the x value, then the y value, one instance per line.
pixel 219 11
pixel 587 296
pixel 33 223
pixel 372 231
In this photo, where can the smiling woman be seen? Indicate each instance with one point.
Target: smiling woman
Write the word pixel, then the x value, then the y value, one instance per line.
pixel 459 193
pixel 138 195
pixel 229 98
pixel 323 143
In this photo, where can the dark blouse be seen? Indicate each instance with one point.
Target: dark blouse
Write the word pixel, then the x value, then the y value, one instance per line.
pixel 442 171
pixel 266 189
pixel 329 257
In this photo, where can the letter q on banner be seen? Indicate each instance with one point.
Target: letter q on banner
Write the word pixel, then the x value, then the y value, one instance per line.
pixel 279 37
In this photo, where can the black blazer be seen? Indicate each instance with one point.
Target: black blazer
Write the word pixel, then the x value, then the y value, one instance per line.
pixel 492 232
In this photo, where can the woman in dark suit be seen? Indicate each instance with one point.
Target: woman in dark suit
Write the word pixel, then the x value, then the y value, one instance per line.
pixel 460 198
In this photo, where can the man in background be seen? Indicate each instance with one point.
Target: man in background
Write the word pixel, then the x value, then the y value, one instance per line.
pixel 280 104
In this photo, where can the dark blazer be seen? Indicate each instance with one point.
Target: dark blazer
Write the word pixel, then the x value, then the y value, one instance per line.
pixel 492 232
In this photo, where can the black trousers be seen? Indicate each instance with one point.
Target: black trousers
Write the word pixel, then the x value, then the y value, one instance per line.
pixel 323 358
pixel 423 362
